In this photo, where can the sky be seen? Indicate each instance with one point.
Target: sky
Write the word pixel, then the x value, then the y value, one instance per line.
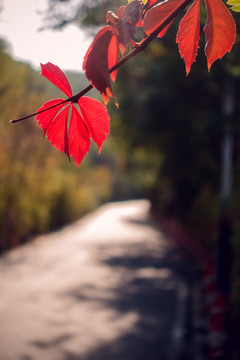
pixel 19 23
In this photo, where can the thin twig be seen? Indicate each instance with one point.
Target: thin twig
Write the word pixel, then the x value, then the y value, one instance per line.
pixel 39 111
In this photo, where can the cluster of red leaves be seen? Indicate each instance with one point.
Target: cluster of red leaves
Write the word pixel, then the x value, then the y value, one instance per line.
pixel 220 33
pixel 220 28
pixel 69 125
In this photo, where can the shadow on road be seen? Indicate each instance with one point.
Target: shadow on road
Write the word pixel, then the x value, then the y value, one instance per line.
pixel 120 295
pixel 148 288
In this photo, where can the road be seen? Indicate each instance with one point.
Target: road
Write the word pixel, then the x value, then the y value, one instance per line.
pixel 110 286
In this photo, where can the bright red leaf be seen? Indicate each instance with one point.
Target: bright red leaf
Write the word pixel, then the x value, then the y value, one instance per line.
pixel 57 130
pixel 92 112
pixel 78 137
pixel 188 35
pixel 54 74
pixel 45 118
pixel 220 31
pixel 67 129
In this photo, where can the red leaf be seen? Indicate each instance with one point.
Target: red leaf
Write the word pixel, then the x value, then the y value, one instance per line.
pixel 57 131
pixel 124 24
pixel 120 11
pixel 54 74
pixel 163 32
pixel 113 56
pixel 188 35
pixel 78 137
pixel 156 15
pixel 45 118
pixel 75 139
pixel 130 17
pixel 220 31
pixel 95 63
pixel 150 3
pixel 96 118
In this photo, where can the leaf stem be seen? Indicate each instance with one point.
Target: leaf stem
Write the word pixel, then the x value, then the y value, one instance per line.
pixel 137 50
pixel 39 112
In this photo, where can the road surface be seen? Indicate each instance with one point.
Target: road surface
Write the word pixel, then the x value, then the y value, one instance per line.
pixel 108 287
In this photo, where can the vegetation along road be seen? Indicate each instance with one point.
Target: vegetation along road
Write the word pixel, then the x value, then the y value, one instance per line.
pixel 110 286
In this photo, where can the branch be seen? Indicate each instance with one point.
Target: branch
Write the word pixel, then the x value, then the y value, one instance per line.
pixel 137 50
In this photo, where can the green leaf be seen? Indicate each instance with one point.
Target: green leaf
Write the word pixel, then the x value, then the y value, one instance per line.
pixel 236 5
pixel 236 8
pixel 233 2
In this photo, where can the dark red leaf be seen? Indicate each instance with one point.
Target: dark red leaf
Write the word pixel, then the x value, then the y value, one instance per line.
pixel 163 32
pixel 188 35
pixel 156 15
pixel 96 118
pixel 130 17
pixel 54 74
pixel 124 24
pixel 220 31
pixel 120 11
pixel 78 137
pixel 95 63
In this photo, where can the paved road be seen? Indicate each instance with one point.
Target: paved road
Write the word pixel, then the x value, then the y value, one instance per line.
pixel 108 287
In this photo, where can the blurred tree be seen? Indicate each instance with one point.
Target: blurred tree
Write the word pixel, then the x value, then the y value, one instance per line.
pixel 60 13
